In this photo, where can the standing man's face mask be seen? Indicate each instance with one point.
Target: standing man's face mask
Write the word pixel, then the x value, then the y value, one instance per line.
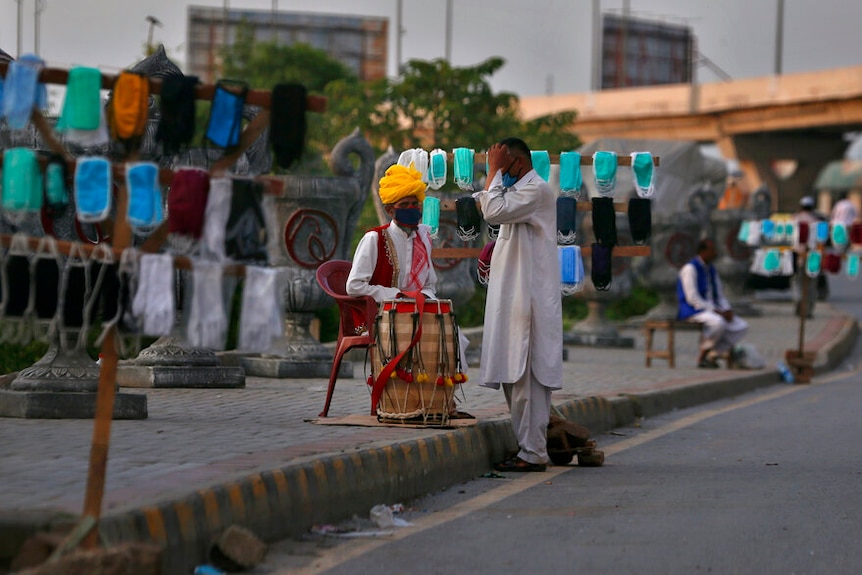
pixel 508 179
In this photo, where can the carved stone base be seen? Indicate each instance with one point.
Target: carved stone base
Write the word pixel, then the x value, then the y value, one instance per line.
pixel 277 367
pixel 161 376
pixel 67 405
pixel 172 363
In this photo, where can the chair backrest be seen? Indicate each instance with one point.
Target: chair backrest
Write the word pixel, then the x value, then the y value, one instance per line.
pixel 357 314
pixel 332 276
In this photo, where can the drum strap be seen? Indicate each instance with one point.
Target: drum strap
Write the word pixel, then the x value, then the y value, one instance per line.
pixel 386 371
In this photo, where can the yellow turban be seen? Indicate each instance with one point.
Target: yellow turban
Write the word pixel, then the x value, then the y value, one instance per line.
pixel 400 182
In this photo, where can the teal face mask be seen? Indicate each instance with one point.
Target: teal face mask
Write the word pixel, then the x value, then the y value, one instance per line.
pixel 852 266
pixel 772 262
pixel 812 264
pixel 571 179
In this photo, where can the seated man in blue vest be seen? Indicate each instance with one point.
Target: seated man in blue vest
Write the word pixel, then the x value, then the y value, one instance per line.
pixel 396 257
pixel 701 300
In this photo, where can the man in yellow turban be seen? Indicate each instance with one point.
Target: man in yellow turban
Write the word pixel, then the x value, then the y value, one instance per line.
pixel 396 257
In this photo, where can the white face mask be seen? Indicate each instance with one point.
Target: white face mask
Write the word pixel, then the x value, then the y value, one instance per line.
pixel 207 325
pixel 215 219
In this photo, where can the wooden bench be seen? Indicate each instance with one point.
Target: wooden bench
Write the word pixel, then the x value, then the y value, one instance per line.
pixel 670 326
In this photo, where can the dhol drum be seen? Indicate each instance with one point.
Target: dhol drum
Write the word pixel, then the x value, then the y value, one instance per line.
pixel 422 383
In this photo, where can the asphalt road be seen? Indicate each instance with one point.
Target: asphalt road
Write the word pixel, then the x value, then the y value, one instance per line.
pixel 767 483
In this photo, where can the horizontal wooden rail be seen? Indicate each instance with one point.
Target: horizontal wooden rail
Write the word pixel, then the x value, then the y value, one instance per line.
pixel 261 98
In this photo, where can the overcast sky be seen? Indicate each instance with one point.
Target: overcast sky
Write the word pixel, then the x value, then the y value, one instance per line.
pixel 546 43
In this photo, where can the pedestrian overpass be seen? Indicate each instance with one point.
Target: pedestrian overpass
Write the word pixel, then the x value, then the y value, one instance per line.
pixel 761 122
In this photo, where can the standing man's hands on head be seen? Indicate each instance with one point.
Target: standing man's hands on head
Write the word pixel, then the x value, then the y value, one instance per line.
pixel 498 159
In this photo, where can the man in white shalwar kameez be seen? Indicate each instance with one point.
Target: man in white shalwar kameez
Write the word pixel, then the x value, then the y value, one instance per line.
pixel 522 343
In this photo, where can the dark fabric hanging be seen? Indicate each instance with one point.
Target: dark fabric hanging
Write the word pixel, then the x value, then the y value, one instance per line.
pixel 245 233
pixel 287 123
pixel 468 217
pixel 604 221
pixel 177 124
pixel 640 220
pixel 601 271
pixel 567 218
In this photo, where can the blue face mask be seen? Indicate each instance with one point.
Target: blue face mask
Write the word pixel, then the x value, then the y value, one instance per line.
pixel 408 216
pixel 508 179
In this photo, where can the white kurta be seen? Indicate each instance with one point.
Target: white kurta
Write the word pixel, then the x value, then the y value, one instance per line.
pixel 365 260
pixel 523 310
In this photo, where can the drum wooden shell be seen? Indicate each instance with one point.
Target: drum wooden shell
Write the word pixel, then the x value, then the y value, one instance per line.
pixel 424 402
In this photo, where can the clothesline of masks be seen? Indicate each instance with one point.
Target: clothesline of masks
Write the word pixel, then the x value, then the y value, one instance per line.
pixel 44 291
pixel 783 229
pixel 774 261
pixel 84 120
pixel 200 208
pixel 434 166
pixel 779 238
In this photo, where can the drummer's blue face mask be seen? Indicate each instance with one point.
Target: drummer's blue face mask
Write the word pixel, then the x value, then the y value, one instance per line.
pixel 508 179
pixel 408 216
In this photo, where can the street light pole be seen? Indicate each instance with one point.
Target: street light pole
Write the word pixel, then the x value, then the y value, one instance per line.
pixel 449 31
pixel 779 36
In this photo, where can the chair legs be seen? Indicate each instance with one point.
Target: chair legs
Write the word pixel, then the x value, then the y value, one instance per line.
pixel 333 375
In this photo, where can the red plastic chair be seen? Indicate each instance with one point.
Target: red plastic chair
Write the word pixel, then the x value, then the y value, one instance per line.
pixel 356 315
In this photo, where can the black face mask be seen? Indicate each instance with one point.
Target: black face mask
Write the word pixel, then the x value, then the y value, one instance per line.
pixel 409 217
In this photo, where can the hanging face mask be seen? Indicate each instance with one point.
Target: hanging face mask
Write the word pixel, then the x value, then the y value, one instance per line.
pixel 605 172
pixel 640 220
pixel 82 107
pixel 567 212
pixel 742 234
pixel 643 170
pixel 604 221
pixel 483 265
pixel 22 181
pixel 767 230
pixel 287 122
pixel 56 185
pixel 571 269
pixel 225 121
pixel 601 271
pixel 821 232
pixel 771 262
pixel 571 180
pixel 839 235
pixel 463 168
pixel 260 317
pixel 22 91
pixel 437 169
pixel 93 189
pixel 431 214
pixel 409 217
pixel 852 266
pixel 812 264
pixel 493 231
pixel 469 219
pixel 542 163
pixel 145 197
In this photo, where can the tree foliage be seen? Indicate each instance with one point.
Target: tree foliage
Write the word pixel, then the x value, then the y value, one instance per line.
pixel 431 105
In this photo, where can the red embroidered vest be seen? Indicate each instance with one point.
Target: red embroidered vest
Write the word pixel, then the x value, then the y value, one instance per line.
pixel 384 271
